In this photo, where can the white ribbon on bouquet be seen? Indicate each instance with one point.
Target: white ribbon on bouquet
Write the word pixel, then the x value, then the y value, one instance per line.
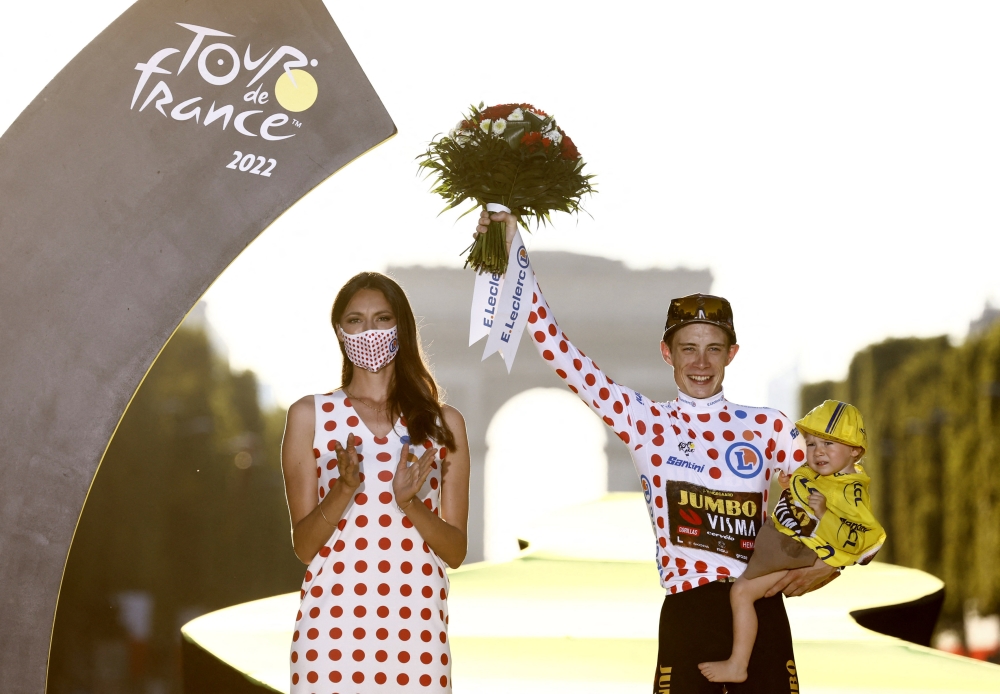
pixel 501 304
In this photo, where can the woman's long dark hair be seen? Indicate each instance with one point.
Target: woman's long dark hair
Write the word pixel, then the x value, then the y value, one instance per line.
pixel 413 392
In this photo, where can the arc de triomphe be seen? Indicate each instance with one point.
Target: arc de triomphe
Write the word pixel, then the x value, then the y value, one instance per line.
pixel 612 313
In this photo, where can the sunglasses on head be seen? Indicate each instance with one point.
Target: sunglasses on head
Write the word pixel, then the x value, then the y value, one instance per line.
pixel 700 308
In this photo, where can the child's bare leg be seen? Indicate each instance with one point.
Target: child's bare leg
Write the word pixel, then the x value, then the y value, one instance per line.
pixel 744 594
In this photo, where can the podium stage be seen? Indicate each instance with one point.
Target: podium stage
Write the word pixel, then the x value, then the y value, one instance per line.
pixel 578 612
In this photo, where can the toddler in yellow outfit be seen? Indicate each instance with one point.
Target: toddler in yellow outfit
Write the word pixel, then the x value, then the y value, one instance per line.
pixel 824 511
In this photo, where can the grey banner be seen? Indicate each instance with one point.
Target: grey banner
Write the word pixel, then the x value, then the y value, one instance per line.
pixel 126 187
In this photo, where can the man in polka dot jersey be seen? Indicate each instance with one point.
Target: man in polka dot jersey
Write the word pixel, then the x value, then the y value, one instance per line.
pixel 705 466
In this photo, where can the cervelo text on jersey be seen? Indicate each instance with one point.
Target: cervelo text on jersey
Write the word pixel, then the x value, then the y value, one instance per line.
pixel 705 465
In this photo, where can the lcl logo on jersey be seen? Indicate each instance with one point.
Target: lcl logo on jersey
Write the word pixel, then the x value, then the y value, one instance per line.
pixel 744 460
pixel 647 490
pixel 219 64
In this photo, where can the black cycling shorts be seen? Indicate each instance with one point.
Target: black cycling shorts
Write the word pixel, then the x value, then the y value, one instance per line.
pixel 697 626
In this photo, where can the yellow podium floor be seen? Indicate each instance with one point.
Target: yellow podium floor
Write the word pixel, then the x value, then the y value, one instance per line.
pixel 584 619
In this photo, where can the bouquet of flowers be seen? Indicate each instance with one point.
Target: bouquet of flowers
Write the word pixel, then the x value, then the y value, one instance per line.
pixel 512 155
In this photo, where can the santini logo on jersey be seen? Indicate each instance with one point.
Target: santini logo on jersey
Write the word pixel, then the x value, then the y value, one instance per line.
pixel 677 462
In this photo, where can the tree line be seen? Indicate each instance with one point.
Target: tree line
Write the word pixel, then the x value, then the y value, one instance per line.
pixel 932 412
pixel 186 515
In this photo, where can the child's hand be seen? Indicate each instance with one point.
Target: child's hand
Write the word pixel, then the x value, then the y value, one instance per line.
pixel 783 479
pixel 817 502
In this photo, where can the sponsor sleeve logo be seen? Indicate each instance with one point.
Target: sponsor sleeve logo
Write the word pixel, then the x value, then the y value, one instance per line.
pixel 722 522
pixel 647 489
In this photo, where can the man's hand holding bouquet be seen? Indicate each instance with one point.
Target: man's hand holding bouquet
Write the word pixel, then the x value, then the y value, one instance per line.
pixel 518 164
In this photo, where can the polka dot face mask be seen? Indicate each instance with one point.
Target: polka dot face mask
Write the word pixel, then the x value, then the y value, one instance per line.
pixel 372 349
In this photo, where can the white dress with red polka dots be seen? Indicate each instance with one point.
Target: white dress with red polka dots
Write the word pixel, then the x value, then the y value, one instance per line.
pixel 704 465
pixel 374 612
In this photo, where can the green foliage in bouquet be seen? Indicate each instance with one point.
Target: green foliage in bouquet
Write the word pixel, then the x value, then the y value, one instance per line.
pixel 511 154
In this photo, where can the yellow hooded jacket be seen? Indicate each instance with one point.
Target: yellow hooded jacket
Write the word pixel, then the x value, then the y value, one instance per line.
pixel 848 533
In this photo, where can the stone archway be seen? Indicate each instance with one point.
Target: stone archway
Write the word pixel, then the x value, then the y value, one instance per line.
pixel 545 452
pixel 615 314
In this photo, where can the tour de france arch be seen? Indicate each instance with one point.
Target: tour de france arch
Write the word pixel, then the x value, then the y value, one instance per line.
pixel 126 188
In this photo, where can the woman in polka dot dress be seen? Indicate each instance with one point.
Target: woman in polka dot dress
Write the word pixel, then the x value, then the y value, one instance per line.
pixel 376 524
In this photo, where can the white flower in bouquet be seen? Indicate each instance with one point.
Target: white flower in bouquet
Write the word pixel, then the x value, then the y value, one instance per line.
pixel 555 136
pixel 516 114
pixel 499 125
pixel 485 125
pixel 462 140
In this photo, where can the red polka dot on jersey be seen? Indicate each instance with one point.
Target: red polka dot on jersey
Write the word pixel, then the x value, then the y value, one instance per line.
pixel 708 436
pixel 328 407
pixel 402 679
pixel 330 426
pixel 656 460
pixel 541 311
pixel 798 455
pixel 704 417
pixel 778 426
pixel 760 419
pixel 358 677
pixel 725 416
pixel 781 456
pixel 657 428
pixel 532 317
pixel 590 379
pixel 728 435
pixel 767 474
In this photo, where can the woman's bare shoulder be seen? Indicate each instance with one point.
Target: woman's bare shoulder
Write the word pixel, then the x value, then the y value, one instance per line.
pixel 452 417
pixel 303 409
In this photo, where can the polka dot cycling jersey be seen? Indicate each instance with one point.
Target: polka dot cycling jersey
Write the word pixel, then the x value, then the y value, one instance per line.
pixel 374 612
pixel 704 465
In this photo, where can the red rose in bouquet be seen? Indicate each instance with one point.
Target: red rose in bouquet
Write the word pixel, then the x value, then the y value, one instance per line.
pixel 513 155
